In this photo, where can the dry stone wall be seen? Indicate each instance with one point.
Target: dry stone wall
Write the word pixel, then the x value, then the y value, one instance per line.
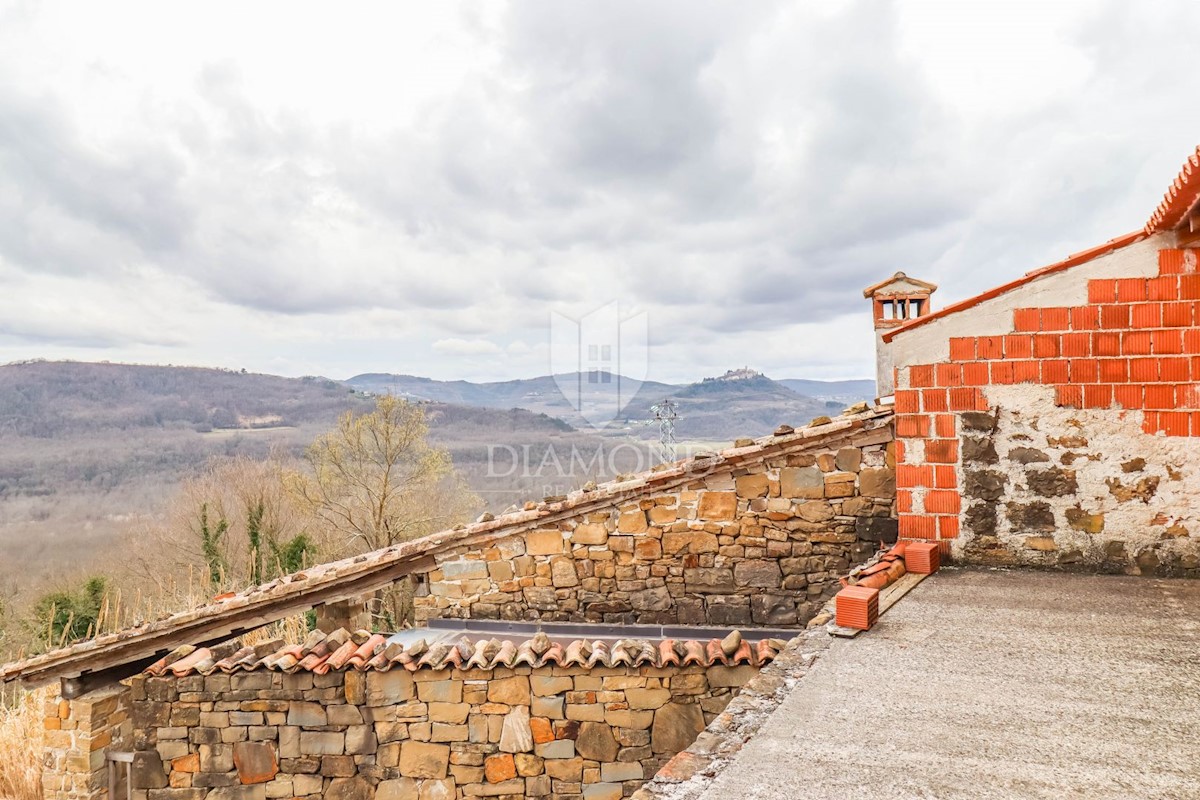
pixel 761 545
pixel 564 732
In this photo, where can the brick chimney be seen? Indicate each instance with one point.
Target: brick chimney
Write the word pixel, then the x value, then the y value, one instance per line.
pixel 894 302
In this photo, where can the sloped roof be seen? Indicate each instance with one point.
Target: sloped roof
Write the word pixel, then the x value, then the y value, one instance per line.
pixel 364 651
pixel 124 653
pixel 1181 197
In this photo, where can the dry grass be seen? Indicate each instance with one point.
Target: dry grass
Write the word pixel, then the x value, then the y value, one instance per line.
pixel 21 744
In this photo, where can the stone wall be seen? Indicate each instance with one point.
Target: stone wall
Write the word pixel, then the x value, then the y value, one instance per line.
pixel 760 545
pixel 564 732
pixel 77 734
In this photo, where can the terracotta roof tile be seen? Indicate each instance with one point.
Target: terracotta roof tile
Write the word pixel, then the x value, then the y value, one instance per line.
pixel 322 654
pixel 1179 199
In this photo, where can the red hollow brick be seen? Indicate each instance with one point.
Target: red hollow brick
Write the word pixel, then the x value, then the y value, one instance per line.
pixel 1135 343
pixel 1085 370
pixel 1164 288
pixel 1174 423
pixel 898 449
pixel 990 347
pixel 1114 370
pixel 975 373
pixel 941 501
pixel 1018 346
pixel 1055 371
pixel 1146 315
pixel 1114 317
pixel 913 476
pixel 1170 261
pixel 1075 345
pixel 907 401
pixel 1143 370
pixel 1056 319
pixel 1177 315
pixel 944 477
pixel 947 527
pixel 920 376
pixel 1150 422
pixel 1187 396
pixel 1160 397
pixel 965 399
pixel 1027 319
pixel 1128 395
pixel 903 501
pixel 944 424
pixel 1174 370
pixel 948 375
pixel 935 400
pixel 1047 345
pixel 1102 290
pixel 1191 341
pixel 941 451
pixel 1026 371
pixel 1189 287
pixel 1131 290
pixel 1002 372
pixel 1106 344
pixel 1068 396
pixel 962 348
pixel 1167 342
pixel 913 526
pixel 912 425
pixel 1085 318
pixel 1097 395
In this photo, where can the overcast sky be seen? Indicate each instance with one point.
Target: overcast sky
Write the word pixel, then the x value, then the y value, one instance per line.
pixel 414 187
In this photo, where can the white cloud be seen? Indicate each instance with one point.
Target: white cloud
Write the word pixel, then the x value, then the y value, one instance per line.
pixel 296 188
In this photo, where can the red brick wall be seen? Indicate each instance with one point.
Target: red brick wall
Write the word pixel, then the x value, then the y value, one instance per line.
pixel 1134 347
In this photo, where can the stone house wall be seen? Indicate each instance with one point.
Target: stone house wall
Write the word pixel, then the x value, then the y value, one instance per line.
pixel 564 732
pixel 1056 421
pixel 760 545
pixel 77 735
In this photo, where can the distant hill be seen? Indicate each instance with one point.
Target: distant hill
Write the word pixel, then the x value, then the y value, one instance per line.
pixel 848 391
pixel 739 403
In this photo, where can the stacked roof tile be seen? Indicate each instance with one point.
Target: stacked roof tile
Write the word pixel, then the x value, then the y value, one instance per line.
pixel 342 650
pixel 1181 196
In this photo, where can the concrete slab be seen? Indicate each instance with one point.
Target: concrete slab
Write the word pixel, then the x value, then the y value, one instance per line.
pixel 996 684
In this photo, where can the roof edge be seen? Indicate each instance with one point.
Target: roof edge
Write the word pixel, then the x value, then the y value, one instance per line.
pixel 1082 257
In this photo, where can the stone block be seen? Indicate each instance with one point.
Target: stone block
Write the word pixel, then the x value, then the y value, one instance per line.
pixel 595 741
pixel 801 482
pixel 716 580
pixel 463 570
pixel 603 791
pixel 216 758
pixel 544 542
pixel 343 715
pixel 438 790
pixel 516 735
pixel 717 506
pixel 563 574
pixel 255 792
pixel 397 789
pixel 590 534
pixel 640 699
pixel 757 574
pixel 773 609
pixel 730 677
pixel 676 726
pixel 499 768
pixel 569 769
pixel 546 685
pixel 350 788
pixel 510 691
pixel 360 740
pixel 322 743
pixel 424 760
pixel 439 691
pixel 147 770
pixel 754 485
pixel 558 749
pixel 255 762
pixel 728 610
pixel 307 715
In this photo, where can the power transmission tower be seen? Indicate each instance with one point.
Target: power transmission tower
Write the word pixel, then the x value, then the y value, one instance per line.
pixel 665 414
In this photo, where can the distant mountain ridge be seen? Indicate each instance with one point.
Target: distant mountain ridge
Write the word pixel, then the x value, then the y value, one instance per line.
pixel 741 402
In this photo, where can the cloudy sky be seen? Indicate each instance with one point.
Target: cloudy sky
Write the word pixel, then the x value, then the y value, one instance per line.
pixel 415 187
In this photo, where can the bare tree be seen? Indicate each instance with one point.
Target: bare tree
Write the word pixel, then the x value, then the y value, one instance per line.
pixel 374 480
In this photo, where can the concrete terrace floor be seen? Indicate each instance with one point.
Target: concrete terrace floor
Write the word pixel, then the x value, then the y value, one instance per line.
pixel 996 684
